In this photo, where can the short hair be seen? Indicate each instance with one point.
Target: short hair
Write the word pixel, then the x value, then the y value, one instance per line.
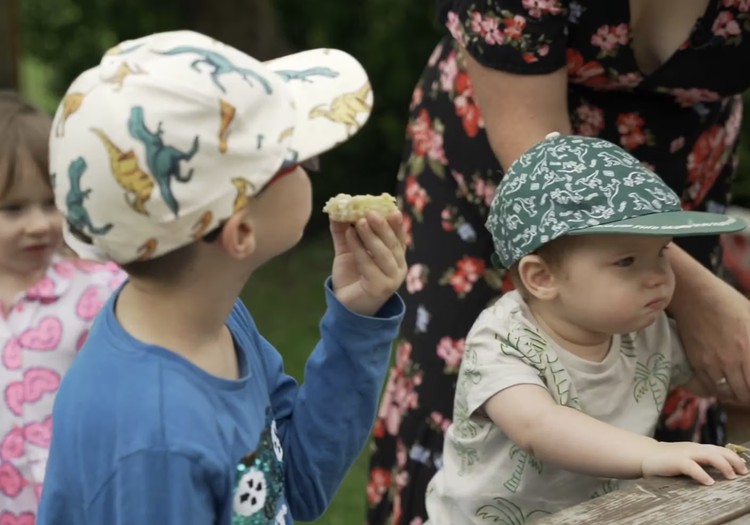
pixel 553 253
pixel 24 141
pixel 168 268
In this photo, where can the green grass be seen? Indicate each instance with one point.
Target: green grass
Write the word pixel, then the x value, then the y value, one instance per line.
pixel 287 302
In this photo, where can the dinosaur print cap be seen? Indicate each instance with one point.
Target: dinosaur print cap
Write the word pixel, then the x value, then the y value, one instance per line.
pixel 571 185
pixel 171 133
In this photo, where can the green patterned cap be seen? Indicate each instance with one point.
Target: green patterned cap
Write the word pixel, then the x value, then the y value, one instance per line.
pixel 572 185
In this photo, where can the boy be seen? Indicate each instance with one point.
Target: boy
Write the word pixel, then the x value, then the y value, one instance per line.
pixel 177 157
pixel 563 380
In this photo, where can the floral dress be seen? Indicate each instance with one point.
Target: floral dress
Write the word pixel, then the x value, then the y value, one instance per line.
pixel 682 120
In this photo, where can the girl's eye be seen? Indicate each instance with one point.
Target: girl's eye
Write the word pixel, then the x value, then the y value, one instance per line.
pixel 625 262
pixel 11 209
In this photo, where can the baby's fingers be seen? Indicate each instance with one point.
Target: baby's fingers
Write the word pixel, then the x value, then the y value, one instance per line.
pixel 691 468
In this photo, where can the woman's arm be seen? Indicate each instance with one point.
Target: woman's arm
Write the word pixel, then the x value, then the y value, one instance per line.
pixel 713 320
pixel 519 110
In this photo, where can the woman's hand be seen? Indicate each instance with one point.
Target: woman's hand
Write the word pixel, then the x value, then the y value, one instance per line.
pixel 713 320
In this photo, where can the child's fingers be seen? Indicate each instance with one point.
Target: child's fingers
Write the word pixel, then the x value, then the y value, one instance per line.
pixel 396 220
pixel 735 461
pixel 338 234
pixel 384 229
pixel 691 468
pixel 381 254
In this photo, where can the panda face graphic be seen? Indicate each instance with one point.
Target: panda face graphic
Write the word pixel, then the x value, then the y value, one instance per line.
pixel 250 496
pixel 259 483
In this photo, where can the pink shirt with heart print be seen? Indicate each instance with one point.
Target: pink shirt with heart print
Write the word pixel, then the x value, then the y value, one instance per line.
pixel 39 338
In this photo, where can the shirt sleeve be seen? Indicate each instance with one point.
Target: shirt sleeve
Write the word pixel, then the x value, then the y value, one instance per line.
pixel 324 424
pixel 516 36
pixel 497 357
pixel 154 487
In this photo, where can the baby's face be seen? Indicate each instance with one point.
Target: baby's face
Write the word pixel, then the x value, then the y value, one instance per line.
pixel 615 283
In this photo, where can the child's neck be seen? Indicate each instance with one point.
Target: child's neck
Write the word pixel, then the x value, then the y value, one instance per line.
pixel 578 340
pixel 184 320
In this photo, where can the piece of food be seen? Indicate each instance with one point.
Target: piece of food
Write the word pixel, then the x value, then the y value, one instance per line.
pixel 741 451
pixel 350 208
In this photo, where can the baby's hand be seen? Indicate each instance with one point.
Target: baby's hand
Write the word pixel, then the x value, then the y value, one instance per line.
pixel 369 264
pixel 674 459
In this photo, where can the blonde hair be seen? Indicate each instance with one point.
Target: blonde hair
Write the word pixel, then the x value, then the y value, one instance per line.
pixel 24 141
pixel 553 254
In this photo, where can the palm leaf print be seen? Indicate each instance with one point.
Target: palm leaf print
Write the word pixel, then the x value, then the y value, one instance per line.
pixel 463 426
pixel 504 512
pixel 468 456
pixel 522 460
pixel 652 377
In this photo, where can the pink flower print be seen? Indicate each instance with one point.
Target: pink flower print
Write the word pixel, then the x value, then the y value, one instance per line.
pixel 435 55
pixel 13 445
pixel 733 123
pixel 416 97
pixel 608 38
pixel 11 481
pixel 42 290
pixel 36 382
pixel 440 421
pixel 407 226
pixel 486 28
pixel 89 304
pixel 45 336
pixel 399 397
pixel 453 23
pixel 677 144
pixel 25 518
pixel 538 8
pixel 725 25
pixel 39 433
pixel 417 521
pixel 12 354
pixel 630 127
pixel 451 351
pixel 485 190
pixel 591 120
pixel 403 355
pixel 448 71
pixel 380 481
pixel 416 278
pixel 690 97
pixel 426 141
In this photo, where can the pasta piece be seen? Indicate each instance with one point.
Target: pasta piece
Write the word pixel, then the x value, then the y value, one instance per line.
pixel 350 208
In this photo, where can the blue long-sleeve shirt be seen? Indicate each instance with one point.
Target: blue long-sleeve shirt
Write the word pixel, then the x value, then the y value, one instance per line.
pixel 141 435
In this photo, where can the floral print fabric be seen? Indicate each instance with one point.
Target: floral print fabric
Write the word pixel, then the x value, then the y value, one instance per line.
pixel 682 120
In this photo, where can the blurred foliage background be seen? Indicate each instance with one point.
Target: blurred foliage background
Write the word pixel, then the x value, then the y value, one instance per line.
pixel 392 38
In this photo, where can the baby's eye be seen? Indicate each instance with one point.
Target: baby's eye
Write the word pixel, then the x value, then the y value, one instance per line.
pixel 625 262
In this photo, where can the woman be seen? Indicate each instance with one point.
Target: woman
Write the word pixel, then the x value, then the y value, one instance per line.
pixel 661 79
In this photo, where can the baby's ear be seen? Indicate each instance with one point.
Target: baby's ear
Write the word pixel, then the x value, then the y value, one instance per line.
pixel 238 235
pixel 537 277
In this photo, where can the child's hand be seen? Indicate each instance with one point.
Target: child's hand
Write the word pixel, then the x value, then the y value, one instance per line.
pixel 673 459
pixel 369 264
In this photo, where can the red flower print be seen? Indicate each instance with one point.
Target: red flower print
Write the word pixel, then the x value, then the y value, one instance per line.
pixel 472 267
pixel 514 26
pixel 400 394
pixel 380 481
pixel 460 283
pixel 579 72
pixel 448 72
pixel 407 227
pixel 416 196
pixel 705 162
pixel 630 127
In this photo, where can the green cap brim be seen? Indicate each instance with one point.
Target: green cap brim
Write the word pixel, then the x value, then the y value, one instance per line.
pixel 670 224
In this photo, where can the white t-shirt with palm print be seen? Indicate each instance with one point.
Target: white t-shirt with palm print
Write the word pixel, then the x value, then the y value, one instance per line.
pixel 485 477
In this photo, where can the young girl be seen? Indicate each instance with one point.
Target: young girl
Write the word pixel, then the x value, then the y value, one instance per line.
pixel 47 304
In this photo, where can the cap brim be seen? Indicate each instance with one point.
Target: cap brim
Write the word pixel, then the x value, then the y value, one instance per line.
pixel 332 97
pixel 672 224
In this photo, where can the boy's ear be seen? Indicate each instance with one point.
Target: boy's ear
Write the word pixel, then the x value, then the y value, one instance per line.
pixel 238 235
pixel 537 277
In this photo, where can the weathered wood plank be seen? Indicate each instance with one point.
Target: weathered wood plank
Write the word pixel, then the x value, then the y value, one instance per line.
pixel 663 501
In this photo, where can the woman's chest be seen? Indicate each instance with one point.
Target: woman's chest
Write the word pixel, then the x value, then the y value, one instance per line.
pixel 692 44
